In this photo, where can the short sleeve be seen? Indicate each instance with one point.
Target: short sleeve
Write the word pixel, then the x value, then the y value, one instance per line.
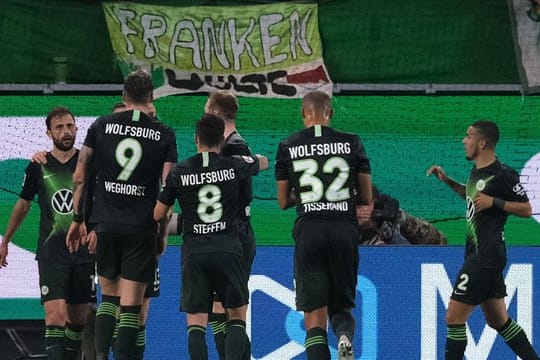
pixel 30 186
pixel 281 171
pixel 167 194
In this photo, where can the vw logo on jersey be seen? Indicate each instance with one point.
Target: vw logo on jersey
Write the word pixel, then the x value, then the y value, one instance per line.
pixel 62 201
pixel 470 209
pixel 480 185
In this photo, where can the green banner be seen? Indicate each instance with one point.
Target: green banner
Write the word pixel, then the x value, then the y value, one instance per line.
pixel 264 50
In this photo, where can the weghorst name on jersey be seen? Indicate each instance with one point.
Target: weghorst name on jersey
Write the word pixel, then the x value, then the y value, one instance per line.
pixel 308 150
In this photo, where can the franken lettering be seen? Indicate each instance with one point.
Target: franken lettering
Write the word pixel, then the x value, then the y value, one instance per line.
pixel 209 228
pixel 210 177
pixel 301 151
pixel 134 131
pixel 199 42
pixel 322 206
pixel 124 189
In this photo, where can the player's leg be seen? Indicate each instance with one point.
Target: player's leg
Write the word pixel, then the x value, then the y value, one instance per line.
pixel 196 301
pixel 138 264
pixel 343 269
pixel 53 282
pixel 312 285
pixel 235 341
pixel 218 323
pixel 456 338
pixel 196 328
pixel 228 278
pixel 249 249
pixel 82 293
pixel 497 317
pixel 108 251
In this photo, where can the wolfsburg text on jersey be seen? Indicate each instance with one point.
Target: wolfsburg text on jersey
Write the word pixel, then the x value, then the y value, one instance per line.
pixel 207 177
pixel 134 131
pixel 323 206
pixel 319 149
pixel 124 189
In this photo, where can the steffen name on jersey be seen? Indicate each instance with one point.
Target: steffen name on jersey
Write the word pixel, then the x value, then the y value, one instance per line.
pixel 210 177
pixel 209 228
pixel 134 131
pixel 308 150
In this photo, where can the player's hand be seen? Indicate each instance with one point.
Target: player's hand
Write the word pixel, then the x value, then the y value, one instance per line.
pixel 482 201
pixel 75 236
pixel 40 157
pixel 91 240
pixel 438 172
pixel 3 255
pixel 363 213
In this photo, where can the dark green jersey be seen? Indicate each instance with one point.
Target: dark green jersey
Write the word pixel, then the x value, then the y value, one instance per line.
pixel 52 183
pixel 485 235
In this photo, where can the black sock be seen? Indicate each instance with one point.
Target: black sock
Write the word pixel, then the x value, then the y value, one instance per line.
pixel 141 344
pixel 54 342
pixel 247 349
pixel 456 342
pixel 128 328
pixel 517 340
pixel 197 343
pixel 343 323
pixel 218 324
pixel 317 344
pixel 105 323
pixel 72 341
pixel 235 340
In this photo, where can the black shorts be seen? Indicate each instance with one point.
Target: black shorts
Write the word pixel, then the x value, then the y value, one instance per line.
pixel 153 287
pixel 204 274
pixel 71 282
pixel 325 263
pixel 475 284
pixel 131 256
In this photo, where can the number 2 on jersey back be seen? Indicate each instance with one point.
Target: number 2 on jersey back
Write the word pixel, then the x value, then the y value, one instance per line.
pixel 336 190
pixel 128 154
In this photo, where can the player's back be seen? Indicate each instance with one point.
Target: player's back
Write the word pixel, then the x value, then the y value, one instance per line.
pixel 322 164
pixel 130 149
pixel 207 186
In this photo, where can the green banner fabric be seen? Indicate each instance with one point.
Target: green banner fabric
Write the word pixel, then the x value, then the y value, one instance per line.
pixel 261 51
pixel 364 41
pixel 526 31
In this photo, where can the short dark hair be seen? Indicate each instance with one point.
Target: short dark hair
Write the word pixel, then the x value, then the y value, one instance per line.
pixel 138 87
pixel 56 112
pixel 118 105
pixel 488 130
pixel 210 129
pixel 316 100
pixel 225 103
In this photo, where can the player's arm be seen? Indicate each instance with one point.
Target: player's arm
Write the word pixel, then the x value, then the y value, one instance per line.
pixel 19 212
pixel 77 230
pixel 438 171
pixel 285 194
pixel 518 208
pixel 263 162
pixel 365 189
pixel 161 211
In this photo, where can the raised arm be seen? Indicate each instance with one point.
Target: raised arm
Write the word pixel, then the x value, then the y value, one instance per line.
pixel 441 175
